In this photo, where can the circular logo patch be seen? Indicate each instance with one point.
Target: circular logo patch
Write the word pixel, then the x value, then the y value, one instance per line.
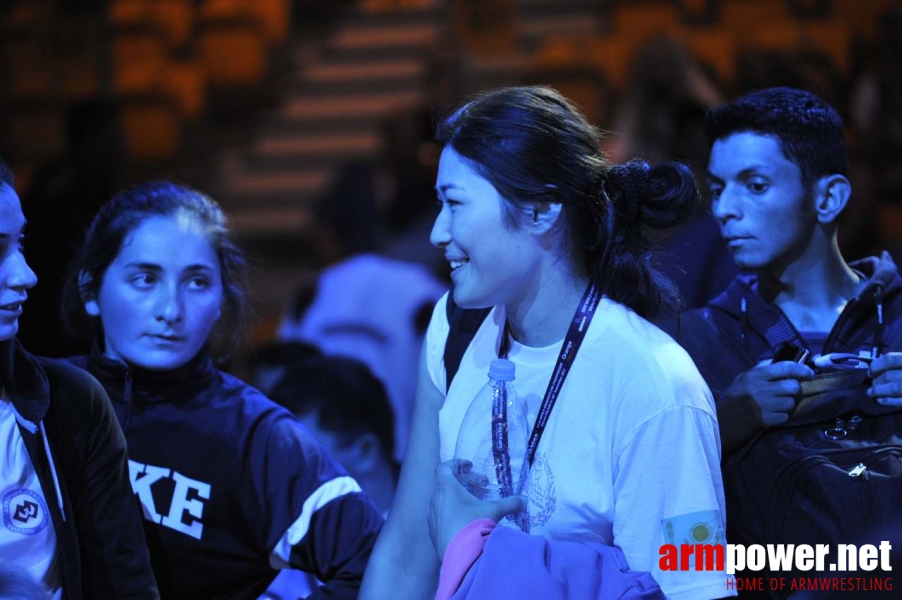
pixel 24 512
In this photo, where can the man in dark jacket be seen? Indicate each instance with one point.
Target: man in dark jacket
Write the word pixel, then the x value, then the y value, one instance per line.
pixel 777 177
pixel 802 351
pixel 69 517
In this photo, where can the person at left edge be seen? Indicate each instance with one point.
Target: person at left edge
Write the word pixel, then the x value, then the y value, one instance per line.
pixel 233 487
pixel 69 519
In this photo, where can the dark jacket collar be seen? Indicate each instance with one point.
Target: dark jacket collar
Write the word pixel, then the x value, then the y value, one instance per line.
pixel 879 271
pixel 24 381
pixel 151 387
pixel 741 301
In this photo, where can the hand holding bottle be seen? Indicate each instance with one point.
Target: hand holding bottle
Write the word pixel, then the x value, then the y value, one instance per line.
pixel 452 507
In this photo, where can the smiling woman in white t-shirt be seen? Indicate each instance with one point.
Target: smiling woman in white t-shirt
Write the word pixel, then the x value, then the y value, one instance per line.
pixel 538 226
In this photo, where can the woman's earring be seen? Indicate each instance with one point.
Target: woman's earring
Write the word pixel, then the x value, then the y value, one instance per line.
pixel 92 308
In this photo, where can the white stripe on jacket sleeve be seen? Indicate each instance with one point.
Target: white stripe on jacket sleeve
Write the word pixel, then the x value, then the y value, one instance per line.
pixel 327 492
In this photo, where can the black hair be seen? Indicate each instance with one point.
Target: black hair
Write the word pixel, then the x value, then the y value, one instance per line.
pixel 346 397
pixel 270 363
pixel 809 131
pixel 533 145
pixel 122 215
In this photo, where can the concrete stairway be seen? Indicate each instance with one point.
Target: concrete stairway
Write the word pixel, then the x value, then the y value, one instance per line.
pixel 339 91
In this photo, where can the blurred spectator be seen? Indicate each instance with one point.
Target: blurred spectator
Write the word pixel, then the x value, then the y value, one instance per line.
pixel 659 118
pixel 807 69
pixel 373 299
pixel 876 105
pixel 660 115
pixel 385 204
pixel 347 410
pixel 875 115
pixel 376 310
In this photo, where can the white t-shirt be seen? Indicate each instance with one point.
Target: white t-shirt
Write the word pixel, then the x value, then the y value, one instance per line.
pixel 27 538
pixel 631 453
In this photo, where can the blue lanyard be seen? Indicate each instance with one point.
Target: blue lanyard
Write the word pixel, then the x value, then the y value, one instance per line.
pixel 572 341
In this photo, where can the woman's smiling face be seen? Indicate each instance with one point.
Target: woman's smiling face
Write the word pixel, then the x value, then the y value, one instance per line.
pixel 161 295
pixel 492 262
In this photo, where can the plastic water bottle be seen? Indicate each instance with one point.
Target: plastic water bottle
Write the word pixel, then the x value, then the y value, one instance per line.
pixel 493 436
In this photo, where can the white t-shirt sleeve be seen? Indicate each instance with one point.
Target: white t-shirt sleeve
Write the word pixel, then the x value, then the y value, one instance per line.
pixel 436 336
pixel 677 498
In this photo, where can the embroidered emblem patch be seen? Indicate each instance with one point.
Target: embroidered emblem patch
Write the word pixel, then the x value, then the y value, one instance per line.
pixel 24 512
pixel 704 527
pixel 542 497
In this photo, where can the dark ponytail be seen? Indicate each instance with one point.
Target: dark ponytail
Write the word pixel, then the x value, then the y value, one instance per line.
pixel 639 197
pixel 533 145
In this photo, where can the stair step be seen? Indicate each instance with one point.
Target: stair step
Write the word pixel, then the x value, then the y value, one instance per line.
pixel 255 221
pixel 336 107
pixel 279 126
pixel 337 145
pixel 394 18
pixel 369 37
pixel 377 84
pixel 559 23
pixel 398 68
pixel 254 185
pixel 372 65
pixel 360 54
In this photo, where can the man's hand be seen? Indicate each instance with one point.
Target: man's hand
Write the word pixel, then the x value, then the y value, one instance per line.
pixel 760 397
pixel 886 373
pixel 452 506
pixel 774 388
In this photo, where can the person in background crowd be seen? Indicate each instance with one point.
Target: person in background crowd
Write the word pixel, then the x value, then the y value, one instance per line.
pixel 373 296
pixel 660 117
pixel 346 408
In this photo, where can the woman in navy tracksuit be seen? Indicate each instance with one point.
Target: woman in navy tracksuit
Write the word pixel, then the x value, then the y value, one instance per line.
pixel 232 486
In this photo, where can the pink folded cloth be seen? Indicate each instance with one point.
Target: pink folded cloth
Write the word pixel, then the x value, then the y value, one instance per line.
pixel 463 550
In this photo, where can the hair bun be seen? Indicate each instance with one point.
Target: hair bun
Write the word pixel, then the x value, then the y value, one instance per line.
pixel 657 196
pixel 626 185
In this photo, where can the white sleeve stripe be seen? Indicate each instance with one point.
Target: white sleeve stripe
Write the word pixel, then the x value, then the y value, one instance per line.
pixel 327 492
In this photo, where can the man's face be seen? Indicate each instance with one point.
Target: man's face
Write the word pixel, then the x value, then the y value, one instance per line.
pixel 766 215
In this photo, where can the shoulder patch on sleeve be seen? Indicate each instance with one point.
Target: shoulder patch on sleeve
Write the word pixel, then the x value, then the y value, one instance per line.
pixel 703 527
